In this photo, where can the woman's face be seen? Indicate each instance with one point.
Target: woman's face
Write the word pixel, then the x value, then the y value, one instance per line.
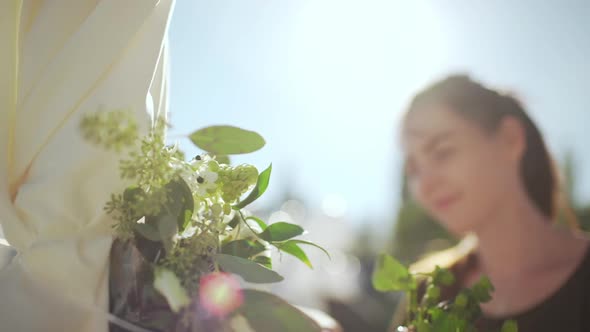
pixel 457 171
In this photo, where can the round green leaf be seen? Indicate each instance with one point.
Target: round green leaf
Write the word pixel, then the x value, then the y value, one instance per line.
pixel 181 202
pixel 226 140
pixel 247 269
pixel 147 231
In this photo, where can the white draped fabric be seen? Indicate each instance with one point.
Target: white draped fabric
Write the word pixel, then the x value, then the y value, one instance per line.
pixel 59 60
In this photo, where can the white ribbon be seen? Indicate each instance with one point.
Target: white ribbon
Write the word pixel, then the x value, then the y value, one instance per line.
pixel 59 60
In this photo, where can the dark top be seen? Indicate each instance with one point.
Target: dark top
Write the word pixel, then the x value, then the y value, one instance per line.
pixel 568 309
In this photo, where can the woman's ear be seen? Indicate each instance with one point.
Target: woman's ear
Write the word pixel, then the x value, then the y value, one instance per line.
pixel 513 138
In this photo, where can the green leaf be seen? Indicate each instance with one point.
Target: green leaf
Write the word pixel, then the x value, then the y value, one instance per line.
pixel 292 248
pixel 266 312
pixel 432 294
pixel 312 244
pixel 391 275
pixel 259 221
pixel 247 269
pixel 264 260
pixel 169 286
pixel 462 299
pixel 442 276
pixel 243 248
pixel 281 231
pixel 448 322
pixel 423 326
pixel 181 202
pixel 185 221
pixel 482 290
pixel 259 189
pixel 435 313
pixel 509 326
pixel 225 140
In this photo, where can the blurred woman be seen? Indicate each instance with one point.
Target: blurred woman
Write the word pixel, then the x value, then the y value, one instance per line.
pixel 478 164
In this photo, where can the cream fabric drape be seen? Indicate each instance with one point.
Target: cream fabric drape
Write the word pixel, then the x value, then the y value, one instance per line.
pixel 60 59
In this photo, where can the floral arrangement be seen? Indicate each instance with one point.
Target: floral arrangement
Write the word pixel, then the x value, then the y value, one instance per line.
pixel 183 234
pixel 427 312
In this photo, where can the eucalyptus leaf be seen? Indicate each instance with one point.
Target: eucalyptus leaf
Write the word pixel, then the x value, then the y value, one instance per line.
pixel 169 286
pixel 149 249
pixel 391 275
pixel 148 231
pixel 247 269
pixel 292 248
pixel 167 228
pixel 266 312
pixel 281 231
pixel 227 140
pixel 259 189
pixel 264 260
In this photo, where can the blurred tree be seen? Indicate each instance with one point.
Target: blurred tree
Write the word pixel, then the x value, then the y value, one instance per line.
pixel 416 233
pixel 571 202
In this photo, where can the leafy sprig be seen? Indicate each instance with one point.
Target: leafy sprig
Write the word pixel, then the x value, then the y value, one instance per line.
pixel 429 313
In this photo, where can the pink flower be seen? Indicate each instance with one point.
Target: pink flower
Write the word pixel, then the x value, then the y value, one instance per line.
pixel 220 293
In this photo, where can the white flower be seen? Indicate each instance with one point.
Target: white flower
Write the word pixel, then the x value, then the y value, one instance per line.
pixel 199 160
pixel 199 176
pixel 205 180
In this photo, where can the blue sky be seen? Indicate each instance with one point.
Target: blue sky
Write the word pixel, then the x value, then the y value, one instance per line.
pixel 324 81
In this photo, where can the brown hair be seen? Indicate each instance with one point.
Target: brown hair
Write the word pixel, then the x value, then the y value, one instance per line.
pixel 486 108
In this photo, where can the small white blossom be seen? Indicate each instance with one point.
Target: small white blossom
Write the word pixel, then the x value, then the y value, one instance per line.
pixel 199 176
pixel 199 160
pixel 205 180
